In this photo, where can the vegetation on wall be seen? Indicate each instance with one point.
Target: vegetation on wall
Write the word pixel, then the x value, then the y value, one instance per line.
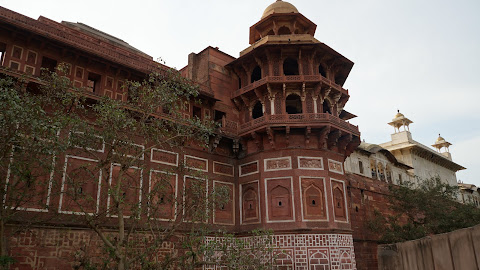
pixel 44 128
pixel 423 209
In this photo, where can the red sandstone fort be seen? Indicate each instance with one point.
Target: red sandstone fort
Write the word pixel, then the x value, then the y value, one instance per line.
pixel 283 141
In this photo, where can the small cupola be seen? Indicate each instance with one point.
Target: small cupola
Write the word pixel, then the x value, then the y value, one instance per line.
pixel 441 143
pixel 279 7
pixel 281 19
pixel 400 121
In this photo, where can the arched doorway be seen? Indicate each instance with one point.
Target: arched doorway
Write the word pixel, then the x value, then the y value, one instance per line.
pixel 327 107
pixel 290 67
pixel 322 71
pixel 293 104
pixel 256 74
pixel 257 110
pixel 284 31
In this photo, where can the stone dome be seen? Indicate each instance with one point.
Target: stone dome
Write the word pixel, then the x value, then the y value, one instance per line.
pixel 440 139
pixel 398 115
pixel 279 7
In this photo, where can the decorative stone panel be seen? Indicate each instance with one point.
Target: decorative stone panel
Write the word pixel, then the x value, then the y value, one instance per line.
pixel 313 198
pixel 335 166
pixel 196 163
pixel 132 180
pixel 248 168
pixel 81 183
pixel 223 168
pixel 225 213
pixel 310 163
pixel 339 201
pixel 250 202
pixel 279 199
pixel 307 251
pixel 163 191
pixel 277 164
pixel 195 192
pixel 164 157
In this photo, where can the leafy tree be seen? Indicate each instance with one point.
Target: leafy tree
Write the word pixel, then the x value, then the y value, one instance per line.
pixel 28 143
pixel 427 208
pixel 104 143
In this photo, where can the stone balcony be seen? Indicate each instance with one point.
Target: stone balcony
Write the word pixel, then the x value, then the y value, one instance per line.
pixel 298 120
pixel 289 79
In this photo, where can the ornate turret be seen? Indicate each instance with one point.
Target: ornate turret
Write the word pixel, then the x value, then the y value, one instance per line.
pixel 294 133
pixel 441 143
pixel 400 121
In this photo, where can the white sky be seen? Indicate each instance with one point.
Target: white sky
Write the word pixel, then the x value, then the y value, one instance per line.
pixel 419 56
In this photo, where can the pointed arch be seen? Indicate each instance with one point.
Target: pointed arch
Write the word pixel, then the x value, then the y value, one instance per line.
pixel 327 107
pixel 257 110
pixel 250 205
pixel 284 31
pixel 256 74
pixel 339 203
pixel 293 104
pixel 290 67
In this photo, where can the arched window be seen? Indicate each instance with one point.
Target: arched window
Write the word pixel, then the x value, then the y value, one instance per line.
pixel 290 67
pixel 313 202
pixel 280 202
pixel 381 172
pixel 327 107
pixel 239 83
pixel 257 110
pixel 388 171
pixel 322 71
pixel 284 31
pixel 339 202
pixel 256 74
pixel 293 104
pixel 250 209
pixel 271 33
pixel 373 167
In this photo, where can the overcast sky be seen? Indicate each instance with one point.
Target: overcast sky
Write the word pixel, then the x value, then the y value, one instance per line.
pixel 419 56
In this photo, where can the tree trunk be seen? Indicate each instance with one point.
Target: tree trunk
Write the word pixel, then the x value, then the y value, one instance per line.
pixel 3 240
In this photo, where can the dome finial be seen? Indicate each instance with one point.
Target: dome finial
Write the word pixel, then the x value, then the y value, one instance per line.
pixel 279 7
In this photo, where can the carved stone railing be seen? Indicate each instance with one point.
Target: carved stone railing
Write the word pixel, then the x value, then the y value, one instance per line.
pixel 288 79
pixel 229 127
pixel 306 119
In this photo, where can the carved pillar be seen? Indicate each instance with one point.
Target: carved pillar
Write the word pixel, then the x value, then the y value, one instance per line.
pixel 303 99
pixel 272 105
pixel 315 106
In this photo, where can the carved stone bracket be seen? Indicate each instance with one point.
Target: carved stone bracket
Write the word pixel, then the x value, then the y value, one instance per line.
pixel 238 104
pixel 304 93
pixel 341 103
pixel 325 93
pixel 245 100
pixel 308 131
pixel 215 142
pixel 271 137
pixel 343 142
pixel 322 137
pixel 352 145
pixel 259 95
pixel 333 137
